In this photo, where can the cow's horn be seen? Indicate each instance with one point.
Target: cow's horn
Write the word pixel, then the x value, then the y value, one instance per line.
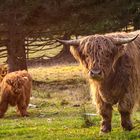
pixel 69 42
pixel 119 41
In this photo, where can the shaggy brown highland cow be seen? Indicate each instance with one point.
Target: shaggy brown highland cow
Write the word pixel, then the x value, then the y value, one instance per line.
pixel 112 62
pixel 15 91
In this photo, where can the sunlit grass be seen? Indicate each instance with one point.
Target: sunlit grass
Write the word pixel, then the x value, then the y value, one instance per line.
pixel 49 53
pixel 56 73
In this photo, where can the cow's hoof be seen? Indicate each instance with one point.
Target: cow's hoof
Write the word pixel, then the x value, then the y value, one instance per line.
pixel 105 129
pixel 101 133
pixel 25 115
pixel 127 126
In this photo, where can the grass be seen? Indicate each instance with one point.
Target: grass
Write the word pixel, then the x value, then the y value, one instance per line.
pixel 49 52
pixel 59 93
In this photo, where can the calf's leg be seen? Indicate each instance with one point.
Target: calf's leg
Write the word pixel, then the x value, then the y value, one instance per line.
pixel 22 108
pixel 3 108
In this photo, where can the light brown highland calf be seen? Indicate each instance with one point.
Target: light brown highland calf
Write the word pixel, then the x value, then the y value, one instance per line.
pixel 112 62
pixel 15 91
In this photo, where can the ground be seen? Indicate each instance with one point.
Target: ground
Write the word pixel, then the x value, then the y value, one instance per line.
pixel 61 96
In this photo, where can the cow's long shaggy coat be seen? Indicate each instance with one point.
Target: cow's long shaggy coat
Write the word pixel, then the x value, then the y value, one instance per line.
pixel 117 70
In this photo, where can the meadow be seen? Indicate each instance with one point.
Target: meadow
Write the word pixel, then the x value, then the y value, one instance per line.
pixel 61 98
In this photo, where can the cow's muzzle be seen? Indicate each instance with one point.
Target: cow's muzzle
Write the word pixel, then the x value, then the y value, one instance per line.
pixel 95 74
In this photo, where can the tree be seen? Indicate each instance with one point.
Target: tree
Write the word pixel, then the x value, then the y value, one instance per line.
pixel 25 22
pixel 14 34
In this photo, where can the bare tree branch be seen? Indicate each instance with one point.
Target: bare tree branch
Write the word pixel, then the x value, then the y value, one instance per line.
pixel 2 50
pixel 36 50
pixel 3 56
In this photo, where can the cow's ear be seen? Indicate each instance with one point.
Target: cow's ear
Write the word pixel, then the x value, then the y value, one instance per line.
pixel 75 52
pixel 118 51
pixel 9 81
pixel 121 49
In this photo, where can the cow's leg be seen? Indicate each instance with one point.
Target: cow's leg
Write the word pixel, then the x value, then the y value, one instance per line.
pixel 126 121
pixel 27 101
pixel 106 113
pixel 125 108
pixel 3 108
pixel 105 110
pixel 22 108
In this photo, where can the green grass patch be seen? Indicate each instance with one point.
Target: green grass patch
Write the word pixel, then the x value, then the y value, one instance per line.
pixel 59 93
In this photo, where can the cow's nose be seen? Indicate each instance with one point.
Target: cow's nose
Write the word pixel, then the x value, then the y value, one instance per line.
pixel 95 73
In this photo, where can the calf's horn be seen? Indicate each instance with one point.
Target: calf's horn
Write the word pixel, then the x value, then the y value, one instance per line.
pixel 69 42
pixel 119 41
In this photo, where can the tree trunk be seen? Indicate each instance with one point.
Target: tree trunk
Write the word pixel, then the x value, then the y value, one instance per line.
pixel 16 54
pixel 16 38
pixel 65 54
pixel 16 41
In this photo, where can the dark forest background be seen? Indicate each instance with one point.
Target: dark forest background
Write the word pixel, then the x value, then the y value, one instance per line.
pixel 30 26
